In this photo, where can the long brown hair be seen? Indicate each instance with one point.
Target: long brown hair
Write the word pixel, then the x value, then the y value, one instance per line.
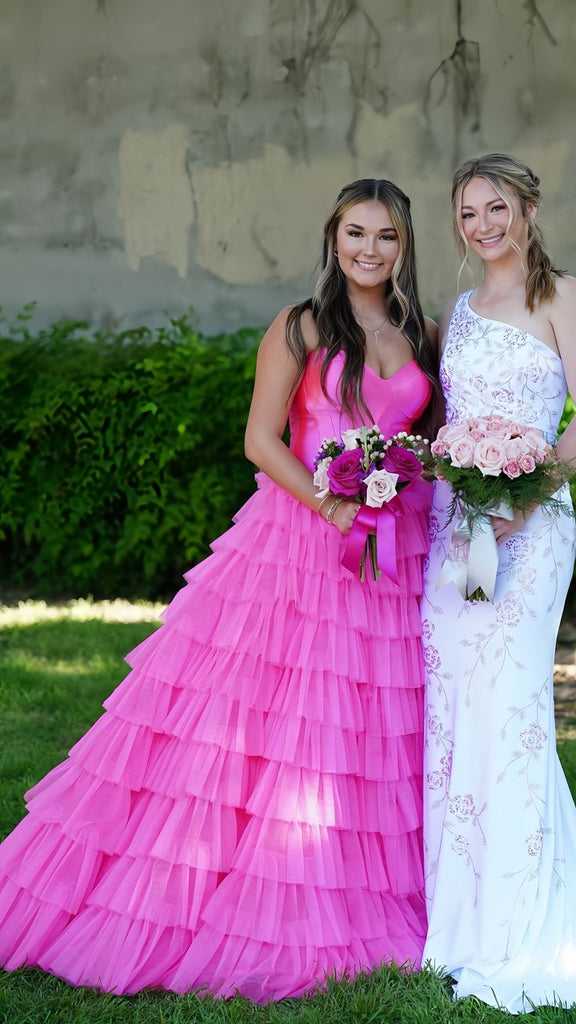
pixel 508 175
pixel 338 330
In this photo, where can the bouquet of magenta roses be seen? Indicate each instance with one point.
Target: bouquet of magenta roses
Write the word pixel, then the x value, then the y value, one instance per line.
pixel 366 467
pixel 494 466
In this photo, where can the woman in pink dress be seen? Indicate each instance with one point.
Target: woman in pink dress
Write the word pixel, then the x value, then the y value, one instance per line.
pixel 246 814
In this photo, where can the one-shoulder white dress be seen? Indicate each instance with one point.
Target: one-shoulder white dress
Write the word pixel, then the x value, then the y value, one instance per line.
pixel 499 820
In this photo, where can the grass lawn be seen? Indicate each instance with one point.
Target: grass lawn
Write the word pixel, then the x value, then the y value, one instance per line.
pixel 56 667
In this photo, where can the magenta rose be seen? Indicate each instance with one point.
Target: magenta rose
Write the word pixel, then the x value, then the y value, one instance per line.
pixel 403 462
pixel 345 473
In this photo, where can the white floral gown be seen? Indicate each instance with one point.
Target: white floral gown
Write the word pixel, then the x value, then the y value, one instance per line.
pixel 499 821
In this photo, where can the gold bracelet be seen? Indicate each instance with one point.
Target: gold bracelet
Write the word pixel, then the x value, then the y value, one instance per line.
pixel 330 513
pixel 326 497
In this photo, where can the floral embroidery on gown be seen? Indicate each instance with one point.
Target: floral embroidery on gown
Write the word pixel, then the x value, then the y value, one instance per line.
pixel 499 820
pixel 247 813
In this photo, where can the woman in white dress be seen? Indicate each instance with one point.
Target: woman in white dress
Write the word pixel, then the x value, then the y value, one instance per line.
pixel 500 824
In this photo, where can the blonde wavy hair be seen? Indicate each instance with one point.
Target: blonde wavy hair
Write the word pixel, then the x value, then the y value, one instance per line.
pixel 509 176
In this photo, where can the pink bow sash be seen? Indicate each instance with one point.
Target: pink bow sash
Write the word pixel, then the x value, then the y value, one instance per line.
pixel 382 522
pixel 415 497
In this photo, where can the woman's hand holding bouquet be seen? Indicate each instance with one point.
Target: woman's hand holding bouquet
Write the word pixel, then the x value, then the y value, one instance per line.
pixel 366 467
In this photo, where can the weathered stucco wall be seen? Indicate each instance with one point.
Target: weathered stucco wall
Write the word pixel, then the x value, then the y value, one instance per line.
pixel 157 156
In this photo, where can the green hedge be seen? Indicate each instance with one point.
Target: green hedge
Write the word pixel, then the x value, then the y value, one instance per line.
pixel 121 453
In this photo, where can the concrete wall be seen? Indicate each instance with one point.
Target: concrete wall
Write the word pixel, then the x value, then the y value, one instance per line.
pixel 176 153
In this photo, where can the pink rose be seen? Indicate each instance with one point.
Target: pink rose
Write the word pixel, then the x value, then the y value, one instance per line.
pixel 513 448
pixel 497 428
pixel 517 429
pixel 452 432
pixel 446 436
pixel 534 440
pixel 461 452
pixel 439 448
pixel 380 487
pixel 489 457
pixel 527 463
pixel 456 432
pixel 321 478
pixel 345 473
pixel 512 469
pixel 403 462
pixel 442 432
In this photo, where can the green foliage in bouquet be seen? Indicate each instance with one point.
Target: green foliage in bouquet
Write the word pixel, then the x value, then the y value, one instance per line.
pixel 483 493
pixel 121 453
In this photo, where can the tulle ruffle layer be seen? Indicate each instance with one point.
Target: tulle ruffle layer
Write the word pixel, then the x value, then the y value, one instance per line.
pixel 247 812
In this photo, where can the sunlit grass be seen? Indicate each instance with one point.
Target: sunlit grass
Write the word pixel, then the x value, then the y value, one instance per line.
pixel 26 613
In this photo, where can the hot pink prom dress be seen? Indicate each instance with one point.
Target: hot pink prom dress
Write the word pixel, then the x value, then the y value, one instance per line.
pixel 246 814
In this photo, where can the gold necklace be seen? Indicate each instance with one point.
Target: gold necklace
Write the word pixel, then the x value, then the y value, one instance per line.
pixel 369 330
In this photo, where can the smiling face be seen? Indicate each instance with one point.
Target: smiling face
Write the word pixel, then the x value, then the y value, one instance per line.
pixel 367 244
pixel 492 227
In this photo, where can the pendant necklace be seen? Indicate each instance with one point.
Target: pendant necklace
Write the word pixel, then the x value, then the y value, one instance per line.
pixel 376 331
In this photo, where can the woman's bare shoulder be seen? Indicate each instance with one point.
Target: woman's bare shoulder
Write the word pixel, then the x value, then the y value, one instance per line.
pixel 566 288
pixel 309 330
pixel 444 321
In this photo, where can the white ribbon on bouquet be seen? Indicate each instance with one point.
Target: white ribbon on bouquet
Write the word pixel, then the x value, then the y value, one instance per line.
pixel 472 561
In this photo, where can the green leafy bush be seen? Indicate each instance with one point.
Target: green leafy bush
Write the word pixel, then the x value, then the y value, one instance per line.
pixel 121 453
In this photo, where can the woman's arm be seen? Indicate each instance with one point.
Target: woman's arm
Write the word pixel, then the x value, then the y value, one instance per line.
pixel 276 370
pixel 563 320
pixel 564 323
pixel 443 325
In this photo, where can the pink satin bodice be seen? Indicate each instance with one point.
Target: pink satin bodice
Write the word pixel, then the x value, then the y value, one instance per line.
pixel 394 403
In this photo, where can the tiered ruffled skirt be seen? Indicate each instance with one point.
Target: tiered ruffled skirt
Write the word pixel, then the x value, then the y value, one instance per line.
pixel 246 815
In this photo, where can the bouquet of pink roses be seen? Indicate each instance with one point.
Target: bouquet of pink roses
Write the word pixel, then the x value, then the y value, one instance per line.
pixel 366 467
pixel 494 466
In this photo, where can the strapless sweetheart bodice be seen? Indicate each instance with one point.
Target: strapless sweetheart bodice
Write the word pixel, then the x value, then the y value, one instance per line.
pixel 394 403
